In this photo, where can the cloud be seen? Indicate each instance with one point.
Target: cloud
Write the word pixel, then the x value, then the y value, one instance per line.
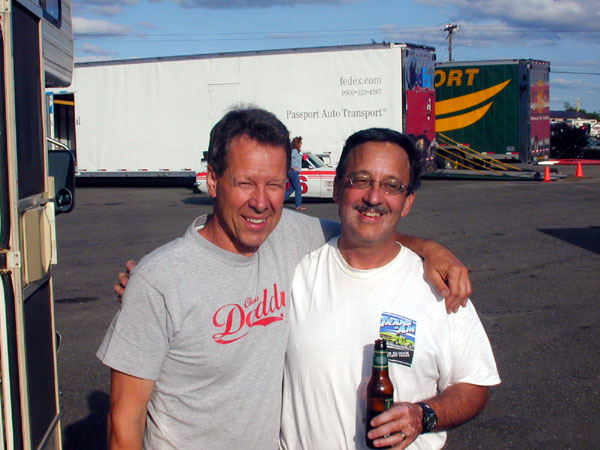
pixel 548 19
pixel 571 89
pixel 531 23
pixel 494 33
pixel 83 59
pixel 79 3
pixel 561 82
pixel 471 34
pixel 95 50
pixel 91 52
pixel 569 13
pixel 107 8
pixel 235 4
pixel 579 65
pixel 87 27
pixel 147 25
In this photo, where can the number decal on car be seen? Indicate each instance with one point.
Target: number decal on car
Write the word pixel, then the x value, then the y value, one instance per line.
pixel 303 181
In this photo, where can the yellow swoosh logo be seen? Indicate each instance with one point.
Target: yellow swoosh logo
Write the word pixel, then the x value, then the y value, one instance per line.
pixel 462 120
pixel 467 101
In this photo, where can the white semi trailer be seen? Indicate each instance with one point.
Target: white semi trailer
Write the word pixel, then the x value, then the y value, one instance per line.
pixel 152 116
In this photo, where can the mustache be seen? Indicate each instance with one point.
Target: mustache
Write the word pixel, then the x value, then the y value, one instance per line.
pixel 378 209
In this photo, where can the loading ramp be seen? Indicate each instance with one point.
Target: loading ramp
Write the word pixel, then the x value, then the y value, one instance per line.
pixel 462 162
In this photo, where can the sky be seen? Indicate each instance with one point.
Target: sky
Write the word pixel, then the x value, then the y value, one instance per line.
pixel 564 32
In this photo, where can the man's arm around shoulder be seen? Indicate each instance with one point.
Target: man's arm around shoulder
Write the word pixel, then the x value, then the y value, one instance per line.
pixel 443 270
pixel 129 397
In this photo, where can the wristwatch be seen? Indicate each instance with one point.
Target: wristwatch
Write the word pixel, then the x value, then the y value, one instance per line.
pixel 429 418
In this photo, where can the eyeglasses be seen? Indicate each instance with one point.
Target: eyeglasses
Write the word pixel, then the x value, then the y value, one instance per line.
pixel 389 186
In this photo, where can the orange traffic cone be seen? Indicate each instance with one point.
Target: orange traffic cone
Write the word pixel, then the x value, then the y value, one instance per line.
pixel 547 178
pixel 579 171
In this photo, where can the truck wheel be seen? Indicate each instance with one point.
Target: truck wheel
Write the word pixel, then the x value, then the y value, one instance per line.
pixel 443 163
pixel 64 200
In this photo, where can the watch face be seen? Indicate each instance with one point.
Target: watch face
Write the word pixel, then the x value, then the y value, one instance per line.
pixel 429 417
pixel 431 421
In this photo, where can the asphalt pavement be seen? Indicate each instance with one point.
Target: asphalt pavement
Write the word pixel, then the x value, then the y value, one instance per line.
pixel 534 253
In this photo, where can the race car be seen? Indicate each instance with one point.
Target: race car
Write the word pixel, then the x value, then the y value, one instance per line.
pixel 316 177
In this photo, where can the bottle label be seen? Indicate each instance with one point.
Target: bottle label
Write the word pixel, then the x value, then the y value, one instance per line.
pixel 389 402
pixel 380 360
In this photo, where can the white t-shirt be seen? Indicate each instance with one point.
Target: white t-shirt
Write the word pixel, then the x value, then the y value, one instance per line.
pixel 336 314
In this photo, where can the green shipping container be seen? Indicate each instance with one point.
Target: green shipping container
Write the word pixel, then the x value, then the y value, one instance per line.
pixel 498 108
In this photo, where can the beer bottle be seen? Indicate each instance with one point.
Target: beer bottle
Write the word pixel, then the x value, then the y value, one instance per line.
pixel 380 390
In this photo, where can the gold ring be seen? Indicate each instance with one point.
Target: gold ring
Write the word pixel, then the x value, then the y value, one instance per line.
pixel 403 435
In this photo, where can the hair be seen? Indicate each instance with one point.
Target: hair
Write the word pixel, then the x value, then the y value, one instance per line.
pixel 296 141
pixel 382 135
pixel 256 123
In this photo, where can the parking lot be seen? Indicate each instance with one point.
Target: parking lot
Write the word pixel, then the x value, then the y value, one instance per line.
pixel 533 249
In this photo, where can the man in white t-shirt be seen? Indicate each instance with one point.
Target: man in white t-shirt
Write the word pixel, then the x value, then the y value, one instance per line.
pixel 364 286
pixel 197 349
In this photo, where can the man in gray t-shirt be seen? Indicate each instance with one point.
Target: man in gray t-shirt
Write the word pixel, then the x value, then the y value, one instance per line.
pixel 197 348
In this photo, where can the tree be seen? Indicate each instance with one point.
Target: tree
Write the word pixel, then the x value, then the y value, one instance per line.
pixel 589 115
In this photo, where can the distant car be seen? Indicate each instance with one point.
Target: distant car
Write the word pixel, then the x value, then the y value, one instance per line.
pixel 568 142
pixel 316 177
pixel 591 150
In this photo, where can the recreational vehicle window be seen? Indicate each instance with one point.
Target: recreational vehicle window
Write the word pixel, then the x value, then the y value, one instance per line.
pixel 52 10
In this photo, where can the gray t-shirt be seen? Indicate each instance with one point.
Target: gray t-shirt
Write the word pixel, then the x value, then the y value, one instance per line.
pixel 210 327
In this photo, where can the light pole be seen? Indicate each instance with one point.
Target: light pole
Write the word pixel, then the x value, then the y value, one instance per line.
pixel 450 28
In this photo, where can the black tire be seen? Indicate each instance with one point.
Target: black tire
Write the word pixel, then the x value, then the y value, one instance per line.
pixel 443 163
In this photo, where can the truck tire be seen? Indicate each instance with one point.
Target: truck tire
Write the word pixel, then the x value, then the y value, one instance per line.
pixel 443 163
